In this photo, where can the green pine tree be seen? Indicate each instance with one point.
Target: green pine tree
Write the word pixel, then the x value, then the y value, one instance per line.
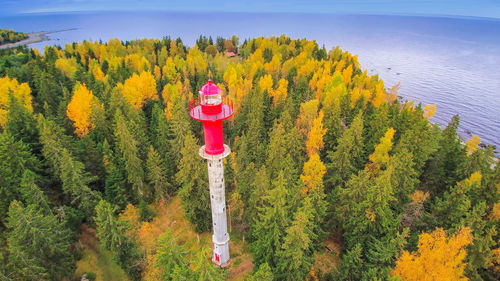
pixel 116 186
pixel 193 180
pixel 75 184
pixel 295 256
pixel 32 194
pixel 128 151
pixel 348 156
pixel 442 171
pixel 21 124
pixel 160 135
pixel 271 223
pixel 39 245
pixel 171 258
pixel 156 175
pixel 263 273
pixel 15 158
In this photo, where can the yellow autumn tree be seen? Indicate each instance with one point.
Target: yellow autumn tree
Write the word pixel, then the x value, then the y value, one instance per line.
pixel 67 66
pixel 96 70
pixel 437 258
pixel 280 93
pixel 308 112
pixel 139 88
pixel 132 216
pixel 429 110
pixel 347 74
pixel 472 144
pixel 314 141
pixel 137 62
pixel 379 96
pixel 313 172
pixel 266 83
pixel 381 153
pixel 80 109
pixel 171 95
pixel 20 91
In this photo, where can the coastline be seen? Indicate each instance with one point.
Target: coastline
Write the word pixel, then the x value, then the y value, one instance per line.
pixel 34 37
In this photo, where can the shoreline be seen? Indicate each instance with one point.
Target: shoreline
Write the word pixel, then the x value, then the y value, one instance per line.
pixel 33 37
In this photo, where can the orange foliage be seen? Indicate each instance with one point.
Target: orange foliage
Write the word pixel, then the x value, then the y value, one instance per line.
pixel 20 91
pixel 314 141
pixel 347 74
pixel 380 96
pixel 429 110
pixel 80 110
pixel 280 93
pixel 419 196
pixel 132 217
pixel 67 66
pixel 313 172
pixel 474 179
pixel 437 257
pixel 266 83
pixel 472 144
pixel 308 112
pixel 148 236
pixel 495 212
pixel 138 89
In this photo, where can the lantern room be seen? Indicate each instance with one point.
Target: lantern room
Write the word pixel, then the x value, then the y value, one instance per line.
pixel 212 111
pixel 210 98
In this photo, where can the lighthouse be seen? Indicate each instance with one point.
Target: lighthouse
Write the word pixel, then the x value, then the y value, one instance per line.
pixel 211 111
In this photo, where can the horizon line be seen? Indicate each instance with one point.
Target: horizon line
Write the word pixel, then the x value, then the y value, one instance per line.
pixel 433 15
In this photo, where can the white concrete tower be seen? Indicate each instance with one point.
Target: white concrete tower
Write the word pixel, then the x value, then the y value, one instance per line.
pixel 211 112
pixel 220 236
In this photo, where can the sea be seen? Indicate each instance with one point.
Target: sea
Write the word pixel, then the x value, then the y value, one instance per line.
pixel 453 62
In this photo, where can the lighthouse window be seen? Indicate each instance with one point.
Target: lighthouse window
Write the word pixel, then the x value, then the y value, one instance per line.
pixel 211 99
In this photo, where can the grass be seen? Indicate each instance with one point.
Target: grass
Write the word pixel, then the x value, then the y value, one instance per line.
pixel 171 215
pixel 97 260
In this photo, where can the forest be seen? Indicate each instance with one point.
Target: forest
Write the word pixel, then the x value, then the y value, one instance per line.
pixel 332 175
pixel 11 36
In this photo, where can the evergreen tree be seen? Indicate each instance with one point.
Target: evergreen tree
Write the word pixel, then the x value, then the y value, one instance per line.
pixel 116 185
pixel 347 158
pixel 295 257
pixel 171 258
pixel 15 158
pixel 112 234
pixel 203 268
pixel 279 156
pixel 22 125
pixel 352 265
pixel 32 194
pixel 264 273
pixel 162 189
pixel 442 171
pixel 192 177
pixel 75 183
pixel 404 176
pixel 39 245
pixel 272 221
pixel 128 150
pixel 160 135
pixel 110 230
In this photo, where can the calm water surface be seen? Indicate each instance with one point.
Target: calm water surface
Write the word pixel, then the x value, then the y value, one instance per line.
pixel 451 62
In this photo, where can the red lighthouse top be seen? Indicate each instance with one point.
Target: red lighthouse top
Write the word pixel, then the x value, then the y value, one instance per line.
pixel 211 112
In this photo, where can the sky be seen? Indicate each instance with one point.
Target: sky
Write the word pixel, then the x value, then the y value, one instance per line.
pixel 474 8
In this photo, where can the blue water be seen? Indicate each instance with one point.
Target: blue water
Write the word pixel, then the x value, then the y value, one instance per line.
pixel 451 62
